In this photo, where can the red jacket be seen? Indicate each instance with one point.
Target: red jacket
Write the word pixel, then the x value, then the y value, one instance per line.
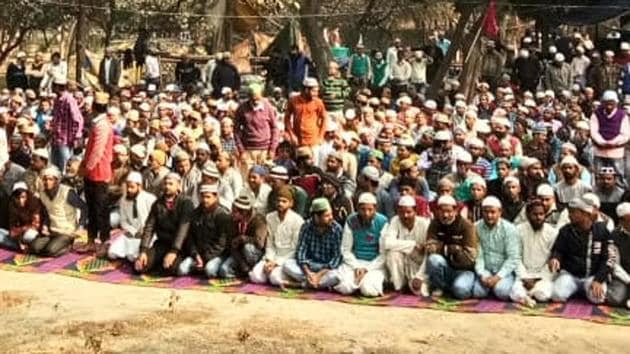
pixel 99 152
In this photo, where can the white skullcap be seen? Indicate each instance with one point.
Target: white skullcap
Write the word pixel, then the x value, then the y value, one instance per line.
pixel 511 179
pixel 545 190
pixel 464 156
pixel 610 95
pixel 569 160
pixel 430 104
pixel 209 188
pixel 502 121
pixel 550 93
pixel 20 185
pixel 527 40
pixel 350 113
pixel 478 180
pixel 553 49
pixel 491 201
pixel 371 173
pixel 623 209
pixel 120 149
pixel 624 46
pixel 443 135
pixel 407 201
pixel 226 90
pixel 203 146
pixel 134 177
pixel 447 200
pixel 403 100
pixel 581 204
pixel 460 104
pixel 367 198
pixel 583 125
pixel 310 82
pixel 474 142
pixel 43 153
pixel 592 199
pixel 139 150
pixel 482 127
pixel 51 171
pixel 609 53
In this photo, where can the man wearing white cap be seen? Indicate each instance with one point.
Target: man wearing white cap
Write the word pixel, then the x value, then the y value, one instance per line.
pixel 134 208
pixel 168 224
pixel 609 72
pixel 305 118
pixel 451 249
pixel 439 160
pixel 477 191
pixel 419 65
pixel 363 265
pixel 63 205
pixel 583 255
pixel 618 290
pixel 608 190
pixel 554 216
pixel 579 64
pixel 498 254
pixel 39 161
pixel 610 131
pixel 191 176
pixel 403 241
pixel 534 281
pixel 462 176
pixel 571 186
pixel 16 73
pixel 558 74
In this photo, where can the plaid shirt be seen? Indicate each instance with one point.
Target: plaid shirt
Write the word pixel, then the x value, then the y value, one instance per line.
pixel 229 145
pixel 319 251
pixel 67 122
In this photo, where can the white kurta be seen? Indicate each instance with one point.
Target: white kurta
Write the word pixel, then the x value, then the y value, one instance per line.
pixel 127 245
pixel 372 283
pixel 260 199
pixel 535 252
pixel 404 263
pixel 281 246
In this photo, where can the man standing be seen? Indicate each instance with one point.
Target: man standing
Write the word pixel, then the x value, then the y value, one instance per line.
pixel 363 259
pixel 582 254
pixel 66 127
pixel 284 229
pixel 169 222
pixel 305 119
pixel 360 68
pixel 610 131
pixel 336 90
pixel 134 208
pixel 225 75
pixel 403 242
pixel 318 252
pixel 187 75
pixel 558 75
pixel 16 73
pixel 256 130
pixel 533 281
pixel 97 165
pixel 499 254
pixel 608 191
pixel 109 72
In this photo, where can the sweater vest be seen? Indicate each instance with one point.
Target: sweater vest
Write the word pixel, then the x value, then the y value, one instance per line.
pixel 360 65
pixel 609 128
pixel 63 216
pixel 365 243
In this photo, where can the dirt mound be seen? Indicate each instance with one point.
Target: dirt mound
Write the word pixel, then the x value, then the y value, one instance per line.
pixel 9 299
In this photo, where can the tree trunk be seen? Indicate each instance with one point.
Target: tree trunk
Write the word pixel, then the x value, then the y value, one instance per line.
pixel 79 42
pixel 215 23
pixel 8 48
pixel 228 25
pixel 110 23
pixel 313 31
pixel 456 45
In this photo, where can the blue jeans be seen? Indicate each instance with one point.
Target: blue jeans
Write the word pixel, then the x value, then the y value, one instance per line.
pixel 443 277
pixel 469 285
pixel 7 241
pixel 60 155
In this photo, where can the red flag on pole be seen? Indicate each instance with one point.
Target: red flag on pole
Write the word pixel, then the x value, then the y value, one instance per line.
pixel 490 24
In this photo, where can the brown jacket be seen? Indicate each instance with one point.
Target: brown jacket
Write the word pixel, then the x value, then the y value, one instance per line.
pixel 457 242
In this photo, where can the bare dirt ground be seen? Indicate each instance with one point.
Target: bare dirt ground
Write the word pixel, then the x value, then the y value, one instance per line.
pixel 47 313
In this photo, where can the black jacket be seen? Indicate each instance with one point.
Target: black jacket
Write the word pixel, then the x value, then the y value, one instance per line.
pixel 225 75
pixel 170 225
pixel 210 233
pixel 16 77
pixel 572 249
pixel 113 74
pixel 622 241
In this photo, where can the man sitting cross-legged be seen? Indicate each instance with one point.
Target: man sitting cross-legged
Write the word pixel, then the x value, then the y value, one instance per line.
pixel 318 253
pixel 168 222
pixel 284 229
pixel 403 241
